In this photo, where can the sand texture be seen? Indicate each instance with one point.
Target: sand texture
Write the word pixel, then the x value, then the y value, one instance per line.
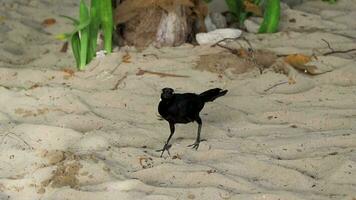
pixel 92 135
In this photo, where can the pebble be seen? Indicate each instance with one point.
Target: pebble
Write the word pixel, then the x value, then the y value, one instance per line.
pixel 217 35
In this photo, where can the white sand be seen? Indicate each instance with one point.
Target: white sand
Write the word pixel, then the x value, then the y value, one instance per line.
pixel 75 137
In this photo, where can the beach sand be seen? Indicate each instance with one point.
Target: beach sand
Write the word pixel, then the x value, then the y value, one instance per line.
pixel 93 134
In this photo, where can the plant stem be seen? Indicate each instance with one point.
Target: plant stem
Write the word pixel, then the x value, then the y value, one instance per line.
pixel 236 8
pixel 107 23
pixel 93 28
pixel 75 43
pixel 271 17
pixel 84 35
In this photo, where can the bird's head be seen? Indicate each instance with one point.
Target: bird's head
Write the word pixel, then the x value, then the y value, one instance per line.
pixel 167 93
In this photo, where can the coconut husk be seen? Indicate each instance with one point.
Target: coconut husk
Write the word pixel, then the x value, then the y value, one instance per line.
pixel 131 8
pixel 158 22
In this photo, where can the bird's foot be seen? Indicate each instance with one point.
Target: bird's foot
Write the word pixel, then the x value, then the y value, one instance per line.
pixel 195 145
pixel 166 147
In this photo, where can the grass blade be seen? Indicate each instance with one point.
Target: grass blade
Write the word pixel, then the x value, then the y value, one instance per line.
pixel 236 8
pixel 84 34
pixel 107 23
pixel 93 28
pixel 75 43
pixel 75 21
pixel 271 17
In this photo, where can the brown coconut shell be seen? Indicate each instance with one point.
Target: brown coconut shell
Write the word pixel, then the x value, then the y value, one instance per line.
pixel 159 22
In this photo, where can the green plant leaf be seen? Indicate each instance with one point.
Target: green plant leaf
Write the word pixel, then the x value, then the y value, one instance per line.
pixel 63 36
pixel 236 8
pixel 107 23
pixel 84 34
pixel 271 17
pixel 78 25
pixel 331 1
pixel 75 43
pixel 93 28
pixel 75 21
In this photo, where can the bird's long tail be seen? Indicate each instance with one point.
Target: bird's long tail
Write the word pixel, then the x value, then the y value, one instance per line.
pixel 212 94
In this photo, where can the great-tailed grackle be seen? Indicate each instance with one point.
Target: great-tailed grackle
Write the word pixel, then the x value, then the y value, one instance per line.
pixel 184 108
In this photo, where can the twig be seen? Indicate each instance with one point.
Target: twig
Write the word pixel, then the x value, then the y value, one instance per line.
pixel 248 42
pixel 150 54
pixel 113 70
pixel 160 74
pixel 275 85
pixel 17 137
pixel 234 51
pixel 116 86
pixel 327 43
pixel 223 40
pixel 334 51
pixel 341 51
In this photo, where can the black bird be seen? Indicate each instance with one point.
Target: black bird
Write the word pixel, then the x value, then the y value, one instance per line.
pixel 184 108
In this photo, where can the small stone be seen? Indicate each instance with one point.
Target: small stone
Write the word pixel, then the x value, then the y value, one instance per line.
pixel 41 190
pixel 251 26
pixel 215 21
pixel 217 35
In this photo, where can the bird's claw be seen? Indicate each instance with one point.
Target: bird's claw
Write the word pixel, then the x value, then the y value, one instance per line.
pixel 195 145
pixel 166 147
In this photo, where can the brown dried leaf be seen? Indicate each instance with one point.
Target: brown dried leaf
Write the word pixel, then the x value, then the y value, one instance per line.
pixel 48 22
pixel 36 85
pixel 177 156
pixel 68 72
pixel 299 61
pixel 145 162
pixel 64 47
pixel 126 58
pixel 291 81
pixel 253 8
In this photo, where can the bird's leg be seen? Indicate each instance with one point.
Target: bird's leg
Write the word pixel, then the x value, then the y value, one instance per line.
pixel 195 145
pixel 166 145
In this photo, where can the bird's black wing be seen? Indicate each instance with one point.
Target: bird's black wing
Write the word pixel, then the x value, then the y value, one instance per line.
pixel 186 107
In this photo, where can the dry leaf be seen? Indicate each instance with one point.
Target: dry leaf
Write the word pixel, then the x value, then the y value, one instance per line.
pixel 48 22
pixel 64 47
pixel 319 65
pixel 299 61
pixel 145 162
pixel 36 85
pixel 177 156
pixel 126 58
pixel 291 81
pixel 69 72
pixel 253 8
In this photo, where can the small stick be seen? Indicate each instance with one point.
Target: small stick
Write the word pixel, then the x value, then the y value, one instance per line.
pixel 341 51
pixel 327 43
pixel 275 85
pixel 142 72
pixel 248 42
pixel 223 40
pixel 150 54
pixel 17 137
pixel 333 51
pixel 116 86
